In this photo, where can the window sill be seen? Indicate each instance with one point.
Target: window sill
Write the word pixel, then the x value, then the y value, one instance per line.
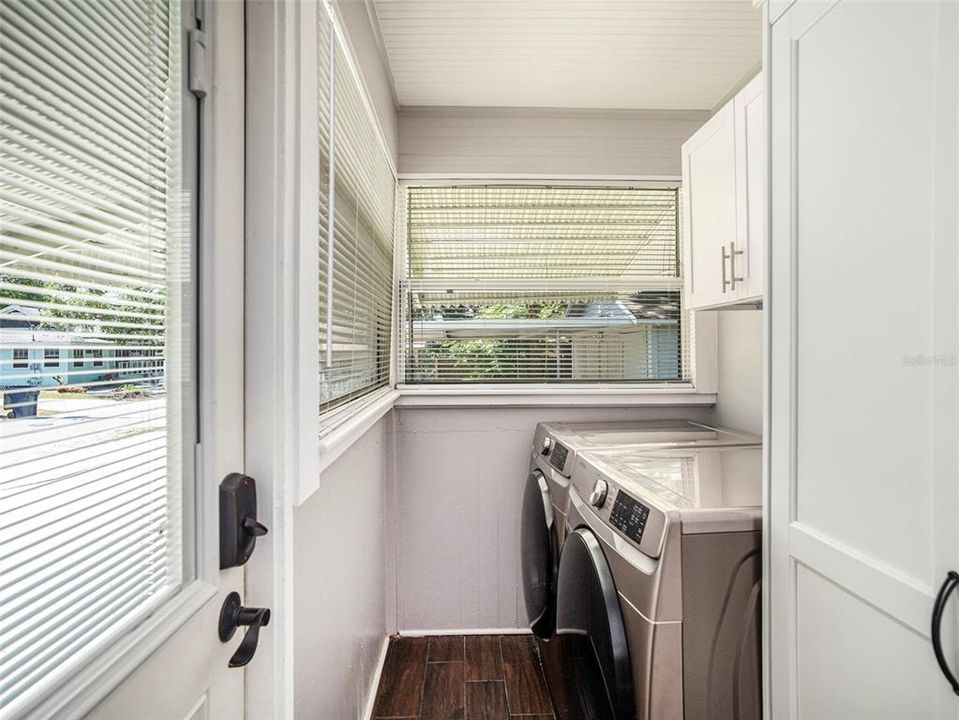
pixel 435 396
pixel 338 440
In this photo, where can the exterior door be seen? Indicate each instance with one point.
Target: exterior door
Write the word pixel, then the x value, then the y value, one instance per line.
pixel 121 268
pixel 863 472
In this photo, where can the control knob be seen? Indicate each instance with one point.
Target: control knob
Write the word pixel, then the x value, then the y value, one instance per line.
pixel 598 496
pixel 547 444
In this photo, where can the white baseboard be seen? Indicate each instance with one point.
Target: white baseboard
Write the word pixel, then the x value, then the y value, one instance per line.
pixel 466 631
pixel 375 685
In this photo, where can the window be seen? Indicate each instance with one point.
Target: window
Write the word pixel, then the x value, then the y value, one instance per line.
pixel 527 284
pixel 356 247
pixel 97 175
pixel 20 357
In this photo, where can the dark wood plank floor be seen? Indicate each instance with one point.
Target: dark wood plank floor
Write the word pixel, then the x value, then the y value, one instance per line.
pixel 476 677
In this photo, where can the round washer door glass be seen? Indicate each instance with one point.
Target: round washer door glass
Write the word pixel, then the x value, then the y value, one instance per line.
pixel 538 556
pixel 596 673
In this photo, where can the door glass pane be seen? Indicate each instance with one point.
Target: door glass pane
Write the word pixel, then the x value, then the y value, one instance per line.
pixel 97 330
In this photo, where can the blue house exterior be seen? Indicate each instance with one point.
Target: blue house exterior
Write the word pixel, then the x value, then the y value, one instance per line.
pixel 31 357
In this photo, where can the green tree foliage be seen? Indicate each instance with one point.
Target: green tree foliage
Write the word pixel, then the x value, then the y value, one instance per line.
pixel 493 359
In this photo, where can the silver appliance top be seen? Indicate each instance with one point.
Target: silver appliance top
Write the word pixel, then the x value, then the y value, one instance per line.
pixel 585 435
pixel 558 442
pixel 691 478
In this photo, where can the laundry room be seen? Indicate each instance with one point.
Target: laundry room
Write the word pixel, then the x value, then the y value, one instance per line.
pixel 526 213
pixel 373 359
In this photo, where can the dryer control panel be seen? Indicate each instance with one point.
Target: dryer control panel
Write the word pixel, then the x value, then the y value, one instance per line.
pixel 559 455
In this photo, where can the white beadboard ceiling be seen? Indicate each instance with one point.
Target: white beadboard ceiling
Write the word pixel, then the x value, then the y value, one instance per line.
pixel 598 54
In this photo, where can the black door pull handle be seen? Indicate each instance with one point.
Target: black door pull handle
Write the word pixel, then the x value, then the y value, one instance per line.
pixel 232 615
pixel 950 583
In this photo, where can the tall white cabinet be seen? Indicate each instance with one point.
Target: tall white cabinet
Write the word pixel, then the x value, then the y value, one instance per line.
pixel 724 204
pixel 863 445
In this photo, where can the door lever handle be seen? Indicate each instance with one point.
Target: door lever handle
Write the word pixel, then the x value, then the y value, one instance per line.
pixel 232 615
pixel 950 584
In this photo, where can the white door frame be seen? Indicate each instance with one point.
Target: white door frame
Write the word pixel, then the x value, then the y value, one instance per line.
pixel 282 317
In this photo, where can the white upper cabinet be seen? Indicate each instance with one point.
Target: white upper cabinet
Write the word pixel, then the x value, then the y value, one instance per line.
pixel 750 189
pixel 723 204
pixel 709 209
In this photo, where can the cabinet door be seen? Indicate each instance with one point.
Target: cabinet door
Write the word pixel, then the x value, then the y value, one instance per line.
pixel 750 192
pixel 709 209
pixel 864 335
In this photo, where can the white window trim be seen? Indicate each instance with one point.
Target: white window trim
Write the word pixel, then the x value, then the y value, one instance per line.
pixel 314 453
pixel 339 440
pixel 704 370
pixel 700 392
pixel 535 395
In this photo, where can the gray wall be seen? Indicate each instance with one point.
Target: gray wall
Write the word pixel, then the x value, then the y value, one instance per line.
pixel 459 484
pixel 740 370
pixel 517 141
pixel 339 581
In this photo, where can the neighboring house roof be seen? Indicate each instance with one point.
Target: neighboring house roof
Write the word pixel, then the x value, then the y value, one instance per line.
pixel 631 309
pixel 10 337
pixel 19 316
pixel 18 327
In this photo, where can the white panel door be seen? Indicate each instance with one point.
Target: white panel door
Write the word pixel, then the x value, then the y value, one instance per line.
pixel 863 472
pixel 122 253
pixel 709 209
pixel 750 106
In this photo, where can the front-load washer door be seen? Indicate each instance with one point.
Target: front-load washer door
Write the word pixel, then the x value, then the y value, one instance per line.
pixel 539 556
pixel 596 672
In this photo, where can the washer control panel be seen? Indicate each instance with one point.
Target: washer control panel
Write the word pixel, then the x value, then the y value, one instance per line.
pixel 629 516
pixel 626 509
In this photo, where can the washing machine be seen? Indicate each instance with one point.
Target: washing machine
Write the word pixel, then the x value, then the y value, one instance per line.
pixel 658 605
pixel 554 451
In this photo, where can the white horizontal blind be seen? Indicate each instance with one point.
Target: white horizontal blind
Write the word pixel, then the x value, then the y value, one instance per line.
pixel 356 307
pixel 96 331
pixel 543 285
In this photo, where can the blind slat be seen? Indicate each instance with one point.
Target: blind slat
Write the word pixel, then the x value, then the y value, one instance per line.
pixel 97 330
pixel 528 284
pixel 356 327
